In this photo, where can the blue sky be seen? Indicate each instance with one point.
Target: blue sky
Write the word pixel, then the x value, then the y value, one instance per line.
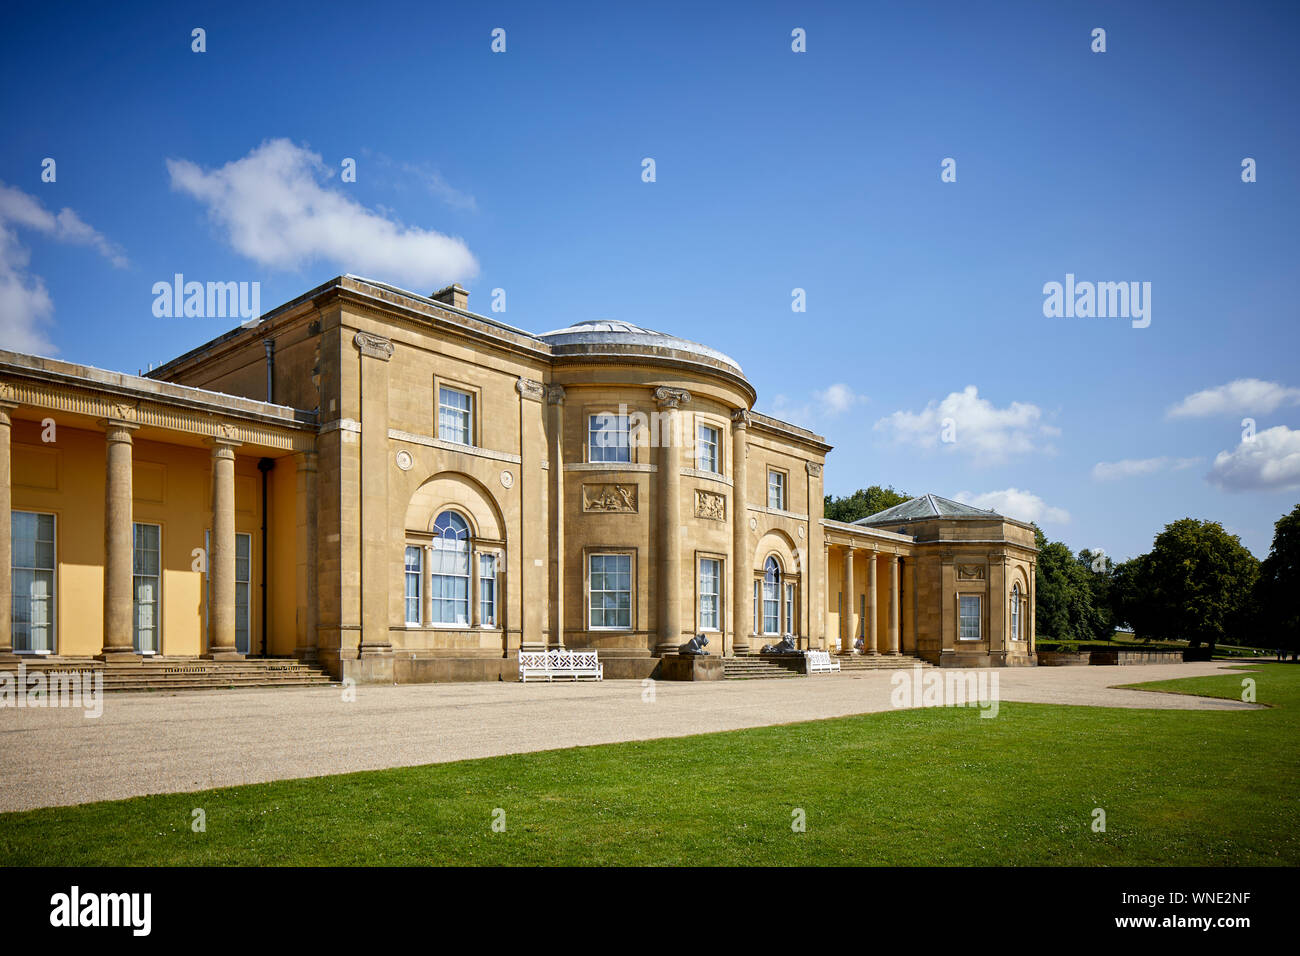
pixel 775 170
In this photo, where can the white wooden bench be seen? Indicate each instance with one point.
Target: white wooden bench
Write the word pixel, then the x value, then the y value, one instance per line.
pixel 821 662
pixel 560 664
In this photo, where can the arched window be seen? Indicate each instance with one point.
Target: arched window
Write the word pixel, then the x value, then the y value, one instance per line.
pixel 1015 611
pixel 449 580
pixel 771 597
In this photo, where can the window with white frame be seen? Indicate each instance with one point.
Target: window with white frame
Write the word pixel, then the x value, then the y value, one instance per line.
pixel 756 617
pixel 608 438
pixel 776 490
pixel 449 570
pixel 708 440
pixel 710 594
pixel 413 578
pixel 487 590
pixel 243 584
pixel 1015 611
pixel 32 616
pixel 609 591
pixel 969 617
pixel 146 561
pixel 789 609
pixel 455 415
pixel 771 597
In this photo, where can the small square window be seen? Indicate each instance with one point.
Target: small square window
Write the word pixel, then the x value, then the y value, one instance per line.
pixel 608 438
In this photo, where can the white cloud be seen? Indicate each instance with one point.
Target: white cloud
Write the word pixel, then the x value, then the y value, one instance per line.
pixel 26 309
pixel 1269 461
pixel 1015 503
pixel 275 211
pixel 1133 467
pixel 1245 396
pixel 838 398
pixel 967 423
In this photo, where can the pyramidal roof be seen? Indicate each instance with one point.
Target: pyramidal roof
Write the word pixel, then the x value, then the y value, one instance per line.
pixel 927 506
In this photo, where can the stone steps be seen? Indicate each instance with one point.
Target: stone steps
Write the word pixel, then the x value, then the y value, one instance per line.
pixel 751 667
pixel 880 662
pixel 193 674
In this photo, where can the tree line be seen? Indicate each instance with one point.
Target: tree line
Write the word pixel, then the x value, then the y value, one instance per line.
pixel 1198 583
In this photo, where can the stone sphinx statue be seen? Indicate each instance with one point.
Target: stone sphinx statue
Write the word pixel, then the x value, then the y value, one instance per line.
pixel 694 647
pixel 785 646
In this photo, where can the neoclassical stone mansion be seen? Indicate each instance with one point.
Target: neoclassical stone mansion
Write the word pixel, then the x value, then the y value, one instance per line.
pixel 400 489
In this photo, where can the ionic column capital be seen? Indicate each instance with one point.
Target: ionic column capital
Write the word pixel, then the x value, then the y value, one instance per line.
pixel 5 408
pixel 555 395
pixel 666 397
pixel 531 389
pixel 740 418
pixel 373 346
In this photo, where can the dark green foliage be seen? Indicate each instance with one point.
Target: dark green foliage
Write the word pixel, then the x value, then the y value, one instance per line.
pixel 863 502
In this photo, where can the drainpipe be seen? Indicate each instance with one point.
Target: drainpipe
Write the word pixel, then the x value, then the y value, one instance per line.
pixel 270 369
pixel 264 465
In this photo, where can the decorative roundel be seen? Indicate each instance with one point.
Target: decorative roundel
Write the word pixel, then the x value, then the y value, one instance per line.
pixel 507 479
pixel 753 524
pixel 801 531
pixel 404 460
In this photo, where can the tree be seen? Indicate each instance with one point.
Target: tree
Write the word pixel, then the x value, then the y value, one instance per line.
pixel 1072 599
pixel 1276 607
pixel 862 503
pixel 1196 584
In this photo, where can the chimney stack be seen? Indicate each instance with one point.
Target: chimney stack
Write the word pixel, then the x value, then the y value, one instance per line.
pixel 453 295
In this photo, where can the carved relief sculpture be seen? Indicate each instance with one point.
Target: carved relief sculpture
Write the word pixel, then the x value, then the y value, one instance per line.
pixel 711 505
pixel 620 499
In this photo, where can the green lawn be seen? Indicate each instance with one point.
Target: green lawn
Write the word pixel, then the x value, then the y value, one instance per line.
pixel 938 786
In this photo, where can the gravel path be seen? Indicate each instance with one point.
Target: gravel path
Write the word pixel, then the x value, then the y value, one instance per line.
pixel 175 742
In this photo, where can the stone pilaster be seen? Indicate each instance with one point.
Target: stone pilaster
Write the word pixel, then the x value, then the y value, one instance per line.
pixel 119 543
pixel 670 521
pixel 6 530
pixel 533 536
pixel 378 556
pixel 307 615
pixel 555 526
pixel 221 555
pixel 871 642
pixel 741 573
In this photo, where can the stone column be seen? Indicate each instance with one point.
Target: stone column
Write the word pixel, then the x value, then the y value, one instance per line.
pixel 555 462
pixel 308 608
pixel 848 609
pixel 119 544
pixel 670 519
pixel 741 574
pixel 6 530
pixel 871 645
pixel 893 604
pixel 221 555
